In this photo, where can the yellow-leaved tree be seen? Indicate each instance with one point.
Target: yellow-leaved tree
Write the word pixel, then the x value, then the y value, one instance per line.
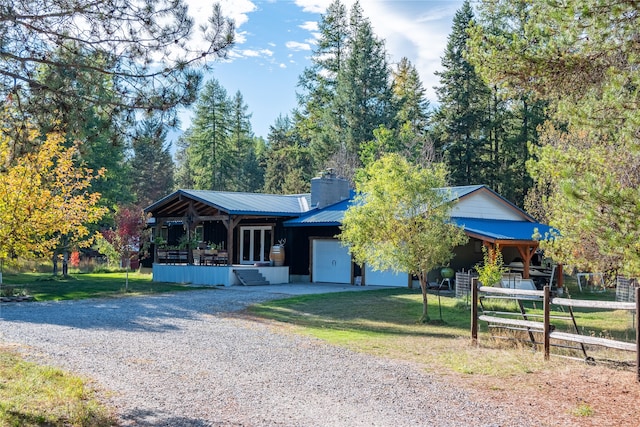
pixel 44 195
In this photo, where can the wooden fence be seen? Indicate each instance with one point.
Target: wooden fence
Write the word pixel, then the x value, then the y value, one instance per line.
pixel 544 327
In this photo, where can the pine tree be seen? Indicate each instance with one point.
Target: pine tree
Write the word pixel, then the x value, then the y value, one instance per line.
pixel 319 116
pixel 151 162
pixel 412 117
pixel 347 90
pixel 460 121
pixel 287 160
pixel 248 176
pixel 210 155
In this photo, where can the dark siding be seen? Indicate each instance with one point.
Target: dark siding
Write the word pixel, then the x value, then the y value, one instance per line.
pixel 298 246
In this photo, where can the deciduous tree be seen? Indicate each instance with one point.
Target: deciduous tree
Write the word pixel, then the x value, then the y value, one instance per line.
pixel 400 219
pixel 125 237
pixel 44 196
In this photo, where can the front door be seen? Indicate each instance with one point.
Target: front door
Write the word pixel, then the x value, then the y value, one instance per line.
pixel 255 244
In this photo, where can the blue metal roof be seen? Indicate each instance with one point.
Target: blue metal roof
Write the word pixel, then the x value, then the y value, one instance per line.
pixel 329 216
pixel 492 229
pixel 503 229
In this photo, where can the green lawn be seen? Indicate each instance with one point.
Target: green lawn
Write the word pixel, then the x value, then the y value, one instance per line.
pixel 33 395
pixel 44 287
pixel 384 322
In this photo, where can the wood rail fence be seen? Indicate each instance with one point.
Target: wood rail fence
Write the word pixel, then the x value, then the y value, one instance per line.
pixel 545 327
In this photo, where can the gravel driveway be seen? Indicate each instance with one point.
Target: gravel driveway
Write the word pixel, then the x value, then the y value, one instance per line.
pixel 179 360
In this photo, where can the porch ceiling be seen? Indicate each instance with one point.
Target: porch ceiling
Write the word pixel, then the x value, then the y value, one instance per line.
pixel 180 206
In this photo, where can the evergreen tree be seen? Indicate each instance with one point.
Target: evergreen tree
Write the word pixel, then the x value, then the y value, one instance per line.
pixel 363 92
pixel 210 155
pixel 183 168
pixel 101 129
pixel 461 120
pixel 219 151
pixel 581 58
pixel 144 46
pixel 319 115
pixel 287 160
pixel 347 90
pixel 514 115
pixel 151 162
pixel 248 176
pixel 412 114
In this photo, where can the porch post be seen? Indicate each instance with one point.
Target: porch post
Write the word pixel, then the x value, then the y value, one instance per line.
pixel 526 252
pixel 230 250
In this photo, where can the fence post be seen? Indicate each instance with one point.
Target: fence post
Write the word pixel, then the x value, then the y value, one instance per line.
pixel 474 311
pixel 546 322
pixel 638 334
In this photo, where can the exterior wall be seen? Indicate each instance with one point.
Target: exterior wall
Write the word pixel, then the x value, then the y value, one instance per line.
pixel 486 206
pixel 215 276
pixel 298 248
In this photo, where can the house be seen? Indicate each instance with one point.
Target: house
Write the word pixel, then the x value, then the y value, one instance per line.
pixel 244 225
pixel 248 225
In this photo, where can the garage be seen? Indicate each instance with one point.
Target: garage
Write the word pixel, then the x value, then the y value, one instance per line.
pixel 331 262
pixel 385 278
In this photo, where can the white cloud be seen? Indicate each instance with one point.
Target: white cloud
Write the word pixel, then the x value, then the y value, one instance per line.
pixel 253 53
pixel 234 9
pixel 293 45
pixel 310 26
pixel 313 6
pixel 282 65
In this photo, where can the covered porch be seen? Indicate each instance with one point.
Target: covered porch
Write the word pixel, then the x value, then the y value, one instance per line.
pixel 204 237
pixel 518 235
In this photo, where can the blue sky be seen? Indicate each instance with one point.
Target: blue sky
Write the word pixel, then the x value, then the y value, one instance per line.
pixel 274 40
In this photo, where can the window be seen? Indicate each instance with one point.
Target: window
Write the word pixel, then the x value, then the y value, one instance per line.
pixel 255 243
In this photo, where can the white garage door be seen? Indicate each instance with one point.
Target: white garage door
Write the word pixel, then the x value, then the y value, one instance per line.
pixel 331 262
pixel 385 278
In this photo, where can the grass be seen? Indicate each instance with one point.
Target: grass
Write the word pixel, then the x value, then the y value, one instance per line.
pixel 45 287
pixel 384 322
pixel 583 410
pixel 33 395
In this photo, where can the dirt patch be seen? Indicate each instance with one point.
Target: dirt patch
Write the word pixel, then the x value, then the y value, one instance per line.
pixel 577 395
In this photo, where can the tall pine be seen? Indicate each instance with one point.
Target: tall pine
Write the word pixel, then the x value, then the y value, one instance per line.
pixel 151 162
pixel 460 123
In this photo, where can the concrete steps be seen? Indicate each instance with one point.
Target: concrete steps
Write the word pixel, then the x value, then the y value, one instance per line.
pixel 250 277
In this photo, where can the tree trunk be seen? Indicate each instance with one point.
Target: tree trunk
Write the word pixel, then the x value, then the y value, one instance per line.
pixel 54 260
pixel 65 263
pixel 126 280
pixel 423 287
